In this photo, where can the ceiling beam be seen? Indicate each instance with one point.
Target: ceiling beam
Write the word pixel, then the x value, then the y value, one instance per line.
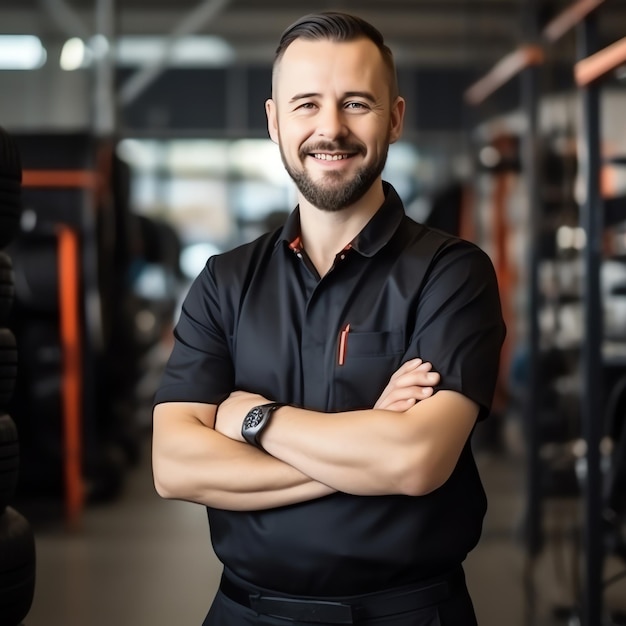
pixel 191 23
pixel 68 21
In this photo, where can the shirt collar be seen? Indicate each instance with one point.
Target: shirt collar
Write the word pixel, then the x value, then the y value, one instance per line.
pixel 376 233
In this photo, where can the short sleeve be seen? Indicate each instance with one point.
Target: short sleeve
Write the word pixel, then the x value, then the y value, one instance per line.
pixel 200 367
pixel 460 328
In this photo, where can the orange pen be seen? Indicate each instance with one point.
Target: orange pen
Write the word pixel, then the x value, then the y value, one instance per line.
pixel 343 345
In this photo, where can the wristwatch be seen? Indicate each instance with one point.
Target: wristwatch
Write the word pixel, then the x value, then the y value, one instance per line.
pixel 256 421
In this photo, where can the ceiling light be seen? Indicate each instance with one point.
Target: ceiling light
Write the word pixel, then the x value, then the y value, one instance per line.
pixel 74 55
pixel 21 52
pixel 139 51
pixel 188 51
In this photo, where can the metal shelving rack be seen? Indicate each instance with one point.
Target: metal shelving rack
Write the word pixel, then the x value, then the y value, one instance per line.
pixel 591 66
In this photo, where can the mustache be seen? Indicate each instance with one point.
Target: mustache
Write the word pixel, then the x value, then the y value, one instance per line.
pixel 332 146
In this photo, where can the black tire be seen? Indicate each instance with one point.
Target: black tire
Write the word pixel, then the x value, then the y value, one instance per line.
pixel 10 188
pixel 7 287
pixel 35 261
pixel 36 407
pixel 8 366
pixel 17 567
pixel 9 460
pixel 10 211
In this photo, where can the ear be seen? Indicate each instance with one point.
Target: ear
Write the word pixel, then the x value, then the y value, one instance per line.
pixel 272 121
pixel 397 119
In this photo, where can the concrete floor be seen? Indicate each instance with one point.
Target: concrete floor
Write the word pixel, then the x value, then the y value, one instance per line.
pixel 143 561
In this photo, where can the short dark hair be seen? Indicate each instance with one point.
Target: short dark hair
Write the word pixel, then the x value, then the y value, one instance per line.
pixel 340 27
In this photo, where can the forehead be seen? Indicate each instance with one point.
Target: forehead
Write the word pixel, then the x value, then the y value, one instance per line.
pixel 315 66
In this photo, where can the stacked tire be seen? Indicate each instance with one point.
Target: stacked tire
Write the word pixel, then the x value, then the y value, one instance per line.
pixel 17 542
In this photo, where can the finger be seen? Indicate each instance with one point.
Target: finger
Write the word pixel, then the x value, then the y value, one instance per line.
pixel 417 378
pixel 400 393
pixel 425 374
pixel 393 395
pixel 401 405
pixel 419 392
pixel 411 363
pixel 408 393
pixel 429 379
pixel 409 366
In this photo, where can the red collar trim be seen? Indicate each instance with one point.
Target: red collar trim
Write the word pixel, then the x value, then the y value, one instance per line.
pixel 296 244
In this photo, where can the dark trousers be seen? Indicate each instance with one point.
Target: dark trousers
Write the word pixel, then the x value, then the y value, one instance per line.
pixel 454 610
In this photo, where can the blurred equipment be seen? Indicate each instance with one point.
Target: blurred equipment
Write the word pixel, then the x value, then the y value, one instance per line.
pixel 96 288
pixel 17 541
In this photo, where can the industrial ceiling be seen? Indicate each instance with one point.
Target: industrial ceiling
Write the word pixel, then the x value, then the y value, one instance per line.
pixel 463 33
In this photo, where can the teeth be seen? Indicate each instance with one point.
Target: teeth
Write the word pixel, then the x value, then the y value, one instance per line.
pixel 331 157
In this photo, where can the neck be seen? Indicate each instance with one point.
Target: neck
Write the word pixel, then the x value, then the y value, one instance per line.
pixel 325 234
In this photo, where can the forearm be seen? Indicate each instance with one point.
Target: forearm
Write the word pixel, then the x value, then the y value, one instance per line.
pixel 336 451
pixel 375 452
pixel 193 462
pixel 408 444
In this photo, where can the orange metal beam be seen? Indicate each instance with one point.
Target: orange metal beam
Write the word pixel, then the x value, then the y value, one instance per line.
pixel 72 384
pixel 86 179
pixel 601 63
pixel 506 69
pixel 569 18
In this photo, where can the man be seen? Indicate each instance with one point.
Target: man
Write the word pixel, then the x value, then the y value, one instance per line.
pixel 340 489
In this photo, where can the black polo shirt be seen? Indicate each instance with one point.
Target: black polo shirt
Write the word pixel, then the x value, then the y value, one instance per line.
pixel 260 318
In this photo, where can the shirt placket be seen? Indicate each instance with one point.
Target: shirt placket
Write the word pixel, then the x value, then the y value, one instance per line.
pixel 319 330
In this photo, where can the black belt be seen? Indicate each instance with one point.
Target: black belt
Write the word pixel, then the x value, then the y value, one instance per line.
pixel 348 610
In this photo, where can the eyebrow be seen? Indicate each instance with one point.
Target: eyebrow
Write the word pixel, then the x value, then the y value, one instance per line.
pixel 349 94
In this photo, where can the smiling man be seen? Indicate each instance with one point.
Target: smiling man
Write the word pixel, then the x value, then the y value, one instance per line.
pixel 336 113
pixel 299 404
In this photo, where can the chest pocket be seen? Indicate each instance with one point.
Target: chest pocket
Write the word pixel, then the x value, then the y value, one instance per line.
pixel 369 360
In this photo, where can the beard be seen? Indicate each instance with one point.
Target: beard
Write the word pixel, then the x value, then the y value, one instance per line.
pixel 334 192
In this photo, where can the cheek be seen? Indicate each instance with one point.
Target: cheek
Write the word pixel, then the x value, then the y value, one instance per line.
pixel 293 141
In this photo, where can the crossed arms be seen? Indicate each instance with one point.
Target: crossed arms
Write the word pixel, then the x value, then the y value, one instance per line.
pixel 408 443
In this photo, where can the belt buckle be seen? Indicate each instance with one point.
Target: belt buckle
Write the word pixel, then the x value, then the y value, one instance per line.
pixel 312 611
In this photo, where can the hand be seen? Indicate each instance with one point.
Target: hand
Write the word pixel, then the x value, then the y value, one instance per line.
pixel 409 384
pixel 231 413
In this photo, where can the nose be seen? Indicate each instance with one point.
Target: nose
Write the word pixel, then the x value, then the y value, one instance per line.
pixel 331 123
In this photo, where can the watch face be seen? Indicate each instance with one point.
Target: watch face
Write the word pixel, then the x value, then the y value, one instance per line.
pixel 253 418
